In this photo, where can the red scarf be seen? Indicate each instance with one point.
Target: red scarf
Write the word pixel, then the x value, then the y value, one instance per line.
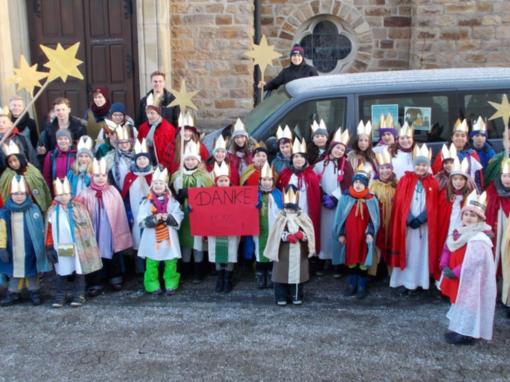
pixel 159 204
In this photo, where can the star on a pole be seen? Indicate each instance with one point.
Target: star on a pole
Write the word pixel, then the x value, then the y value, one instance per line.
pixel 183 98
pixel 27 77
pixel 62 62
pixel 262 54
pixel 503 110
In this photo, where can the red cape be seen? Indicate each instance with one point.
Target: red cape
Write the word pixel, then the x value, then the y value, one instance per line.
pixel 164 141
pixel 313 193
pixel 443 217
pixel 128 181
pixel 494 202
pixel 400 212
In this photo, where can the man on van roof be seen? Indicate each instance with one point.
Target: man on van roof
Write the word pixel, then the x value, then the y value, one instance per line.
pixel 297 69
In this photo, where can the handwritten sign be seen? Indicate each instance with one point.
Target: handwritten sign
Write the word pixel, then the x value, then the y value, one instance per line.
pixel 224 211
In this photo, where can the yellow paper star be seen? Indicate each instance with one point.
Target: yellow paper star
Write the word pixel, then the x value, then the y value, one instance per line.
pixel 183 97
pixel 62 62
pixel 27 77
pixel 503 110
pixel 262 54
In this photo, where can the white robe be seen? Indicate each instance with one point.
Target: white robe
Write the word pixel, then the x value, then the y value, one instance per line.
pixel 138 190
pixel 402 162
pixel 168 249
pixel 233 245
pixel 416 272
pixel 61 234
pixel 456 215
pixel 473 312
pixel 272 213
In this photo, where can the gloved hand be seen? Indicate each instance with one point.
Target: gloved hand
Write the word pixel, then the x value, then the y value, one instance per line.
pixel 422 218
pixel 170 220
pixel 414 224
pixel 52 255
pixel 4 255
pixel 291 238
pixel 151 221
pixel 410 218
pixel 329 201
pixel 449 273
pixel 299 235
pixel 182 194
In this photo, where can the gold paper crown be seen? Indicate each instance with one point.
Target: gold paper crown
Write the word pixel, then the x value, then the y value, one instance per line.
pixel 448 153
pixel 266 171
pixel 185 119
pixel 11 148
pixel 61 187
pixel 406 130
pixel 341 137
pixel 85 143
pixel 18 184
pixel 460 168
pixel 383 157
pixel 141 148
pixel 221 170
pixel 110 125
pixel 161 175
pixel 290 196
pixel 422 151
pixel 99 167
pixel 318 126
pixel 364 169
pixel 364 129
pixel 480 125
pixel 299 147
pixel 505 166
pixel 285 133
pixel 220 144
pixel 477 201
pixel 122 133
pixel 461 127
pixel 192 149
pixel 239 126
pixel 5 112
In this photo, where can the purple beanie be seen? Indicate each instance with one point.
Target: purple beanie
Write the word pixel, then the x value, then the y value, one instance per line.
pixel 297 49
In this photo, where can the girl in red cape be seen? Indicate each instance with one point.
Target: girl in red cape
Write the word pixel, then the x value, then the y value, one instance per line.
pixel 218 156
pixel 414 235
pixel 306 181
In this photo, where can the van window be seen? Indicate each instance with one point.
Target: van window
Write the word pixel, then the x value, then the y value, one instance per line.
pixel 299 119
pixel 265 109
pixel 477 104
pixel 419 106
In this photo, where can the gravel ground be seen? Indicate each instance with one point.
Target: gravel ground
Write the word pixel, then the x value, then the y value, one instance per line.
pixel 199 335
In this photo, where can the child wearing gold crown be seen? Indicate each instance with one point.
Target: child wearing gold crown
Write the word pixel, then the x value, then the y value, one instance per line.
pixel 81 170
pixel 469 276
pixel 362 153
pixel 447 158
pixel 113 234
pixel 251 175
pixel 22 255
pixel 135 189
pixel 160 216
pixel 461 143
pixel 269 204
pixel 356 224
pixel 498 217
pixel 240 148
pixel 414 253
pixel 387 133
pixel 383 186
pixel 17 164
pixel 282 158
pixel 319 146
pixel 70 245
pixel 335 174
pixel 478 136
pixel 222 250
pixel 118 161
pixel 191 174
pixel 402 151
pixel 219 156
pixel 306 181
pixel 58 161
pixel 290 243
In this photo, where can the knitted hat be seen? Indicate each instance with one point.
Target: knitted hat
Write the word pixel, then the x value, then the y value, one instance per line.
pixel 156 108
pixel 118 107
pixel 297 49
pixel 64 133
pixel 362 174
pixel 102 90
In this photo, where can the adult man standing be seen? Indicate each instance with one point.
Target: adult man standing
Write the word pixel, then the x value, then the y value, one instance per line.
pixel 161 97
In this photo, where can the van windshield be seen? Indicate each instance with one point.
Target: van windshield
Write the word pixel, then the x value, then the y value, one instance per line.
pixel 267 107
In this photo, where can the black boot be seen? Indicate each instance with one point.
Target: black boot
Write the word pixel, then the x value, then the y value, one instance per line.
pixel 198 273
pixel 352 283
pixel 362 285
pixel 35 297
pixel 10 299
pixel 454 338
pixel 220 281
pixel 228 281
pixel 269 278
pixel 260 279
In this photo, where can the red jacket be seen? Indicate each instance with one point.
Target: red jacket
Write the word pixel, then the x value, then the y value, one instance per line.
pixel 164 141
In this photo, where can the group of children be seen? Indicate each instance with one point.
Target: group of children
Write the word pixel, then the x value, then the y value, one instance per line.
pixel 381 209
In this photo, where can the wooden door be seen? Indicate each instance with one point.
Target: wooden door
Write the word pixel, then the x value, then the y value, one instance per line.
pixel 106 30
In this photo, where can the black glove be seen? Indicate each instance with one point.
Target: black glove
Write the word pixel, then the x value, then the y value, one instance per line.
pixel 415 224
pixel 151 221
pixel 170 220
pixel 52 255
pixel 449 273
pixel 422 218
pixel 410 218
pixel 4 255
pixel 182 194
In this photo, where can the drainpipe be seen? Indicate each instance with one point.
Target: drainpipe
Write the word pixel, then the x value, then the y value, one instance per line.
pixel 256 40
